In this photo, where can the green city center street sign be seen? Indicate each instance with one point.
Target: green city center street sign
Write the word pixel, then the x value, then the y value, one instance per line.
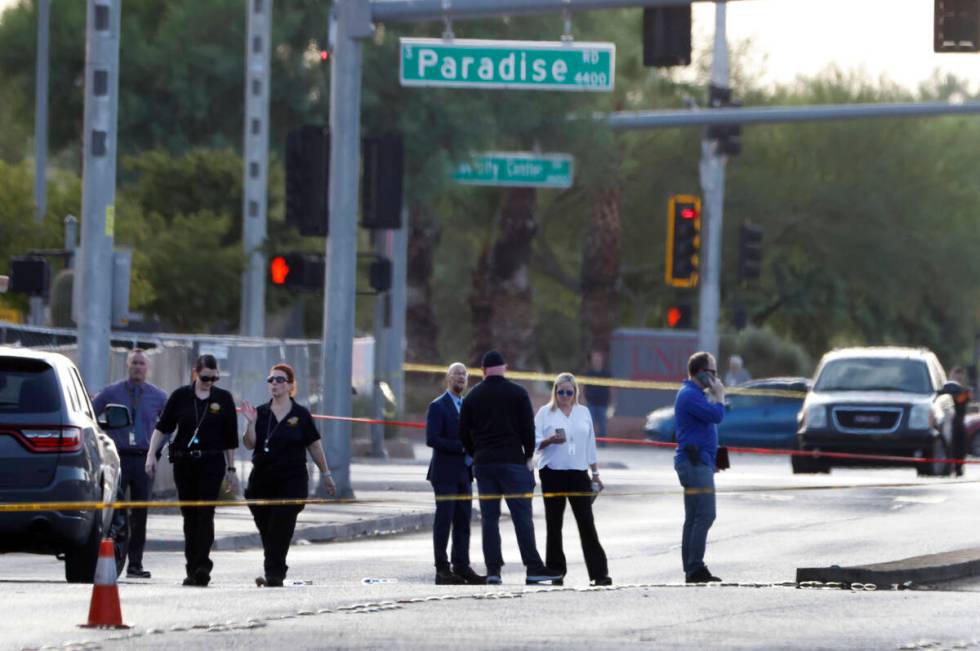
pixel 528 65
pixel 521 169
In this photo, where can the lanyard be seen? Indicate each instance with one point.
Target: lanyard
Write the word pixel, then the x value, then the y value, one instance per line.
pixel 199 420
pixel 269 430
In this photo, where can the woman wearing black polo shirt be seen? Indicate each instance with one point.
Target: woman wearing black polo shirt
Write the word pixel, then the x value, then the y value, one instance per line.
pixel 281 432
pixel 202 452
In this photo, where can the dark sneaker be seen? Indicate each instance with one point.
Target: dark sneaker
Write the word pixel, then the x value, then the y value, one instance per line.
pixel 702 576
pixel 190 581
pixel 446 577
pixel 493 579
pixel 137 573
pixel 260 581
pixel 202 578
pixel 544 575
pixel 469 576
pixel 603 581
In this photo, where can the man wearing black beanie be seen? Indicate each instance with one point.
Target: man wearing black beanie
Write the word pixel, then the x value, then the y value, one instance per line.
pixel 496 426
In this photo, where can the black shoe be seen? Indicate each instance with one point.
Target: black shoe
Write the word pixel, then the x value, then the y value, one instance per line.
pixel 469 576
pixel 137 573
pixel 702 576
pixel 493 579
pixel 543 575
pixel 260 581
pixel 190 581
pixel 603 581
pixel 273 582
pixel 202 577
pixel 447 577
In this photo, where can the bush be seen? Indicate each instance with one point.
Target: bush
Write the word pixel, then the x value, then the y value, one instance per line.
pixel 765 354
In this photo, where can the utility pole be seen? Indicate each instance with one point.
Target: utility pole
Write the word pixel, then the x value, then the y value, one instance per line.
pixel 41 112
pixel 712 170
pixel 382 342
pixel 98 189
pixel 399 286
pixel 353 25
pixel 255 165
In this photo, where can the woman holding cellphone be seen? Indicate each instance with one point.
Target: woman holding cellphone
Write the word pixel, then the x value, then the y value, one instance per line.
pixel 281 433
pixel 565 438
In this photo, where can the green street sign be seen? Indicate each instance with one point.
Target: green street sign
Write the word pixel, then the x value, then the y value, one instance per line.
pixel 528 65
pixel 520 169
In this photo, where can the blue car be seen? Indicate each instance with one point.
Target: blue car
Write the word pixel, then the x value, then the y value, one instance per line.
pixel 759 421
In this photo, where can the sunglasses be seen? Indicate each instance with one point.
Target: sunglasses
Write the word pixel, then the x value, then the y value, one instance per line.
pixel 277 379
pixel 207 378
pixel 565 392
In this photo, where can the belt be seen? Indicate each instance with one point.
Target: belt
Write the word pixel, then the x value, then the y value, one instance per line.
pixel 195 454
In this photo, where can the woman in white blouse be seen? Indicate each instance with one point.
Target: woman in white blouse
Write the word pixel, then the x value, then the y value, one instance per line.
pixel 565 438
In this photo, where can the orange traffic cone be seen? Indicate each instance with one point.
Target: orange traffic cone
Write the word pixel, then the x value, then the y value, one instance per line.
pixel 104 611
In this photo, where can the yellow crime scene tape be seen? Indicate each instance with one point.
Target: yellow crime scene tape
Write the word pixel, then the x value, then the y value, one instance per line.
pixel 649 385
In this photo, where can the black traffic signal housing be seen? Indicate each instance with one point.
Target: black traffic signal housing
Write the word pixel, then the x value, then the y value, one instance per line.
pixel 956 26
pixel 29 275
pixel 749 252
pixel 728 136
pixel 679 316
pixel 382 162
pixel 683 240
pixel 307 180
pixel 379 274
pixel 299 271
pixel 667 36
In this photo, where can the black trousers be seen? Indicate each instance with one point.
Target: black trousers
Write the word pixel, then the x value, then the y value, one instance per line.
pixel 452 515
pixel 198 479
pixel 276 524
pixel 137 482
pixel 571 481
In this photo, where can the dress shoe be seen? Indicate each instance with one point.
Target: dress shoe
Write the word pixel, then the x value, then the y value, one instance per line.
pixel 137 573
pixel 493 579
pixel 543 575
pixel 469 576
pixel 202 577
pixel 602 581
pixel 190 581
pixel 273 582
pixel 702 576
pixel 446 577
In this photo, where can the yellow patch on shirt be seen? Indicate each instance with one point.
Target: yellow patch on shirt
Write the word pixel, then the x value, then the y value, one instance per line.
pixel 292 421
pixel 214 407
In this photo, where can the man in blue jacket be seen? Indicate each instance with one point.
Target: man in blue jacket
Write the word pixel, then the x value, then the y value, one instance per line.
pixel 451 475
pixel 697 444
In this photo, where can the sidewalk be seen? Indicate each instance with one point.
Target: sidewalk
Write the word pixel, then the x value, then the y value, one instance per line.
pixel 393 497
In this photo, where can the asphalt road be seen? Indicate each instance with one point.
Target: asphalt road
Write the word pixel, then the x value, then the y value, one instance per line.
pixel 769 523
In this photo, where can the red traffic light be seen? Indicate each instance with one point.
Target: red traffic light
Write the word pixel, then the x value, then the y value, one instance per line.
pixel 679 316
pixel 673 316
pixel 689 212
pixel 324 55
pixel 279 270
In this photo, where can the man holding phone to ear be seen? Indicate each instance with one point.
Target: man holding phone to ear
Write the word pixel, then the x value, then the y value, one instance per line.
pixel 697 416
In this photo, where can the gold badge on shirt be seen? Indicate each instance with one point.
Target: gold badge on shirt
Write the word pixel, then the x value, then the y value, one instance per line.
pixel 214 407
pixel 292 421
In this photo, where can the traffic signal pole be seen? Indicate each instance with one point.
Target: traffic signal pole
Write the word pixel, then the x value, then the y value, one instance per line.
pixel 98 190
pixel 41 112
pixel 712 171
pixel 255 165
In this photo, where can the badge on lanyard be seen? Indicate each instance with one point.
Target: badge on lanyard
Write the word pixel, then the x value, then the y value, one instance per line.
pixel 132 439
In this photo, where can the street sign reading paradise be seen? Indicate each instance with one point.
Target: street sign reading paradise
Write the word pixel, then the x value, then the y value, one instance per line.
pixel 529 65
pixel 516 169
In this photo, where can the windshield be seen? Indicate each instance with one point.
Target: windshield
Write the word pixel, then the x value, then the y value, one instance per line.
pixel 875 374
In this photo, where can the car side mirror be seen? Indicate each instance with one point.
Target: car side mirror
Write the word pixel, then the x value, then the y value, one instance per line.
pixel 115 417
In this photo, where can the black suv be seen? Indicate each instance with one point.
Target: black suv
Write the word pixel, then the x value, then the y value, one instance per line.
pixel 53 449
pixel 881 401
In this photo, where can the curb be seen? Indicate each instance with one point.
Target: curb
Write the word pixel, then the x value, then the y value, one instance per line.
pixel 931 568
pixel 328 532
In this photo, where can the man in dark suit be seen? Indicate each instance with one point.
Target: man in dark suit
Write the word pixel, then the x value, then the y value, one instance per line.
pixel 452 480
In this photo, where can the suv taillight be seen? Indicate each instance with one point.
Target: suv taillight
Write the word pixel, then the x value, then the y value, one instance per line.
pixel 49 439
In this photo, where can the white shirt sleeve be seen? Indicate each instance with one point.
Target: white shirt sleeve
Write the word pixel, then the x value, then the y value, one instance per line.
pixel 590 454
pixel 539 423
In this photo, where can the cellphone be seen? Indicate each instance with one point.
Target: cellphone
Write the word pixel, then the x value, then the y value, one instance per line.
pixel 560 431
pixel 705 378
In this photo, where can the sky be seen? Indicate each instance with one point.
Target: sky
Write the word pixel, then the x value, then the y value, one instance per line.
pixel 802 37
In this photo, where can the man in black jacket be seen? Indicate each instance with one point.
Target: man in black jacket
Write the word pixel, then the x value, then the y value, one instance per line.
pixel 496 426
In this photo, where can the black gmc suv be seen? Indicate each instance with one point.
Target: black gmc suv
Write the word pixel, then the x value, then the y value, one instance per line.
pixel 880 401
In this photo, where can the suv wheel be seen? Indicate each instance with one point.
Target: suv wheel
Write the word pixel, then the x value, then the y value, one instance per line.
pixel 937 450
pixel 80 561
pixel 806 465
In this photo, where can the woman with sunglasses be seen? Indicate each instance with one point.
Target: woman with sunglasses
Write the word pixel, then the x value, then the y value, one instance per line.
pixel 565 438
pixel 202 453
pixel 281 432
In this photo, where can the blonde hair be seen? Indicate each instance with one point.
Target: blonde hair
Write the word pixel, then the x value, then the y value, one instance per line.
pixel 561 379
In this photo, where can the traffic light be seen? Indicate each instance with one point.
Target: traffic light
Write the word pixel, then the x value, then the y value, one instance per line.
pixel 728 136
pixel 379 274
pixel 29 275
pixel 679 316
pixel 683 240
pixel 956 27
pixel 300 271
pixel 749 252
pixel 307 176
pixel 667 36
pixel 381 185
